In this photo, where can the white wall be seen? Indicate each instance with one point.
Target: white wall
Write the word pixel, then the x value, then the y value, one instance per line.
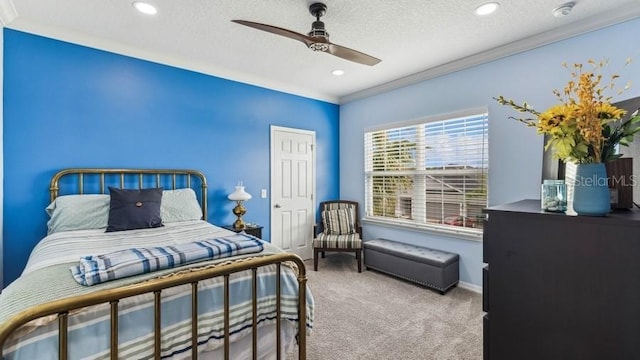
pixel 515 152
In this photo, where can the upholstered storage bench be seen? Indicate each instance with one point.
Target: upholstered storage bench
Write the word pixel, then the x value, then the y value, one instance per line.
pixel 433 268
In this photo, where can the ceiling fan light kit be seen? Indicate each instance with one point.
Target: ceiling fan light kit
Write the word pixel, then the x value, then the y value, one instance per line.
pixel 317 39
pixel 317 28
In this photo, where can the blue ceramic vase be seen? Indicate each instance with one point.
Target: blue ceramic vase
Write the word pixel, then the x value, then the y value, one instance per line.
pixel 591 191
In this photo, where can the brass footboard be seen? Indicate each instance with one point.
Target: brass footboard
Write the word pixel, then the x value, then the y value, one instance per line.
pixel 112 296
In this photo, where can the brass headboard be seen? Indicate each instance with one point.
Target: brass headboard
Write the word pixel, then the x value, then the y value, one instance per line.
pixel 96 181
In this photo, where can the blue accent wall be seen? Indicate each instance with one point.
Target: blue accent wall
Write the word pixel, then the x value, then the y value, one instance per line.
pixel 515 151
pixel 67 105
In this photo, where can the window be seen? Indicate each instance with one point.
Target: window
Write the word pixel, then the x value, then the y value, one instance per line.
pixel 431 174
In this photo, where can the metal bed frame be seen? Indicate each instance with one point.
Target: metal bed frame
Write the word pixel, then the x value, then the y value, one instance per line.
pixel 185 178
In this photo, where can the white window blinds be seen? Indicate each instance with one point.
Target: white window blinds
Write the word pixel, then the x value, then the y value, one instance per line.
pixel 432 174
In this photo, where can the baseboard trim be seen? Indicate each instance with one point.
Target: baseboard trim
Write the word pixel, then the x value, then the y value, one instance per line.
pixel 469 286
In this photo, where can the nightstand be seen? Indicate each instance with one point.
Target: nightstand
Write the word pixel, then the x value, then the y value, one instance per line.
pixel 255 230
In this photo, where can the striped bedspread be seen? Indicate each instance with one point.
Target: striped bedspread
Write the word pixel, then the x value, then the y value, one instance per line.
pixel 47 278
pixel 120 264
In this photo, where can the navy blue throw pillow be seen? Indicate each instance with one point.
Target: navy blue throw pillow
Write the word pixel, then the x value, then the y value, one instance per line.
pixel 134 209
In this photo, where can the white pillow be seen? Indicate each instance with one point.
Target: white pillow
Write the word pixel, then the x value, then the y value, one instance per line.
pixel 180 205
pixel 78 212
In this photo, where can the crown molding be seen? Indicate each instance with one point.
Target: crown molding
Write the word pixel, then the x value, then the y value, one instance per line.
pixel 168 59
pixel 9 18
pixel 613 17
pixel 8 12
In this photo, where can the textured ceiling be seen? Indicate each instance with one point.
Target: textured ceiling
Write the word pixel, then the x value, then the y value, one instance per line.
pixel 415 39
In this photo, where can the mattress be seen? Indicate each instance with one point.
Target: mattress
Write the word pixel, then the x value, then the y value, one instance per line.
pixel 47 277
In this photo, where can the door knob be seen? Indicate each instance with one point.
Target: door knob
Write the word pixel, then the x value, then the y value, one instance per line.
pixel 277 206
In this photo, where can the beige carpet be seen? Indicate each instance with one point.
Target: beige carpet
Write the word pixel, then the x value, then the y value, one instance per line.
pixel 370 315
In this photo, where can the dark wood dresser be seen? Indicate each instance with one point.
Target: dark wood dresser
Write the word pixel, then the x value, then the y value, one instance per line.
pixel 560 286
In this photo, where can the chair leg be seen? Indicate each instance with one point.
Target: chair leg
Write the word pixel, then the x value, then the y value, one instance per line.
pixel 359 259
pixel 323 255
pixel 315 259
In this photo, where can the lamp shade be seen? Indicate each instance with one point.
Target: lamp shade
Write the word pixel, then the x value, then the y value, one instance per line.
pixel 239 194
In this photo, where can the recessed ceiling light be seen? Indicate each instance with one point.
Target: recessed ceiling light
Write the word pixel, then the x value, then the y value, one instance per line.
pixel 564 9
pixel 145 8
pixel 486 9
pixel 338 72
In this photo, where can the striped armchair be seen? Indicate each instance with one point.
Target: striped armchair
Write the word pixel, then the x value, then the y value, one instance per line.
pixel 339 230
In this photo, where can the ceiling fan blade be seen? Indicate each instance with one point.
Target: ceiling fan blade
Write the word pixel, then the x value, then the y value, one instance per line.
pixel 277 30
pixel 352 55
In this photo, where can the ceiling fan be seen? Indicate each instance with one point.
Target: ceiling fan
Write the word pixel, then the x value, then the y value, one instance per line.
pixel 317 39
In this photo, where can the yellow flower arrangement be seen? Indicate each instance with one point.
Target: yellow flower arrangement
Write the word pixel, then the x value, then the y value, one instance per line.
pixel 584 127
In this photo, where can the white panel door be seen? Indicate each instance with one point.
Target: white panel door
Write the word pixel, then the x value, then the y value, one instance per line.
pixel 292 188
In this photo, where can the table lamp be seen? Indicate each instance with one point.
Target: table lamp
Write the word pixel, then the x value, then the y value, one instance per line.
pixel 239 196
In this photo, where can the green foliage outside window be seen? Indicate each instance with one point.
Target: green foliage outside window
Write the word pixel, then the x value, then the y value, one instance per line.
pixel 390 155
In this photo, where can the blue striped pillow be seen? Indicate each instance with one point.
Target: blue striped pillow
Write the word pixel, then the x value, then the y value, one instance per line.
pixel 338 222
